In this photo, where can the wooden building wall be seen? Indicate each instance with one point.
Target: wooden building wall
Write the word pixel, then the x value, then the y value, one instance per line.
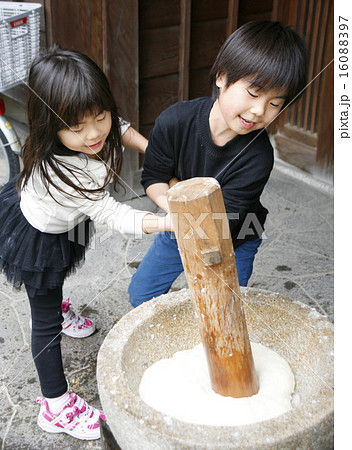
pixel 157 52
pixel 304 133
pixel 178 43
pixel 171 57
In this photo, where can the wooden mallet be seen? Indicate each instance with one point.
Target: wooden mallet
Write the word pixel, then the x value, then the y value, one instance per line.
pixel 206 249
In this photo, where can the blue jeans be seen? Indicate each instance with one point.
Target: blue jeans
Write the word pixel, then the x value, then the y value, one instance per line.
pixel 162 265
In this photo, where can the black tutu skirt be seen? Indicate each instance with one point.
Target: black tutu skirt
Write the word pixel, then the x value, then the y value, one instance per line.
pixel 39 260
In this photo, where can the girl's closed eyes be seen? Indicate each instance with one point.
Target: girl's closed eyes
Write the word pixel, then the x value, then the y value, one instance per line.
pixel 79 127
pixel 89 136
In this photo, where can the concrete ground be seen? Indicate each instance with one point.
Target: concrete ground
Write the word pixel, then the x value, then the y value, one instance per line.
pixel 295 259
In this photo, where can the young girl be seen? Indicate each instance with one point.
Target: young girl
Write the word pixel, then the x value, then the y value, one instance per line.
pixel 72 153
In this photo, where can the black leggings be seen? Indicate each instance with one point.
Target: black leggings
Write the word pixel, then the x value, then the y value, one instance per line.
pixel 46 337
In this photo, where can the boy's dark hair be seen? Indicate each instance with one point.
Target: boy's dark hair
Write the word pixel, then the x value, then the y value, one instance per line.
pixel 64 86
pixel 266 53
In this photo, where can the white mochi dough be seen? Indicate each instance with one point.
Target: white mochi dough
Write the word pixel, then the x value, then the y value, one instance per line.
pixel 180 387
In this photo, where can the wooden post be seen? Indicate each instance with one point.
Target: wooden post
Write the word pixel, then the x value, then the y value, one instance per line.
pixel 205 244
pixel 185 39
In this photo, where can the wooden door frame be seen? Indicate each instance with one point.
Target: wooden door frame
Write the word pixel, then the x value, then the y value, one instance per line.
pixel 309 145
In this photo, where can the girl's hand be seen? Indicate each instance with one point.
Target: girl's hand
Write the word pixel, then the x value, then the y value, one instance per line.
pixel 168 223
pixel 154 224
pixel 134 140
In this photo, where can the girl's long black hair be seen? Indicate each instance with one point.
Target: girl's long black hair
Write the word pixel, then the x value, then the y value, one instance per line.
pixel 64 86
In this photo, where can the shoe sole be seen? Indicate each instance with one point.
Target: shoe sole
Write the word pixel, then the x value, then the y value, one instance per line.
pixel 54 429
pixel 84 335
pixel 73 335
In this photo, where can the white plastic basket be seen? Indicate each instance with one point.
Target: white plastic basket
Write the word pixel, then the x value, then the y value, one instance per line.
pixel 19 41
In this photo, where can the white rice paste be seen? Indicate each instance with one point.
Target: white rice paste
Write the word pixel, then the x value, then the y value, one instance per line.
pixel 180 387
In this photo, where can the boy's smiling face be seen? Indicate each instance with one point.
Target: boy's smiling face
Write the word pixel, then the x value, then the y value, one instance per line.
pixel 241 108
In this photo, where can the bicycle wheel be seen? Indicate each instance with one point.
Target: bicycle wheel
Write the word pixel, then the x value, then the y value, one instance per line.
pixel 9 161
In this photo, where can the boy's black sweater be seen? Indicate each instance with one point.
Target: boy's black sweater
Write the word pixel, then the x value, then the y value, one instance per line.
pixel 180 145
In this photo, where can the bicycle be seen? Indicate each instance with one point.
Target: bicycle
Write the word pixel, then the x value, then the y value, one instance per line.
pixel 19 44
pixel 10 148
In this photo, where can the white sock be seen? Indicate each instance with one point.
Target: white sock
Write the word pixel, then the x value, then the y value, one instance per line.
pixel 57 404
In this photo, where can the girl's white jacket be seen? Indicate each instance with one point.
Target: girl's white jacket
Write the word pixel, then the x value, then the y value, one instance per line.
pixel 70 208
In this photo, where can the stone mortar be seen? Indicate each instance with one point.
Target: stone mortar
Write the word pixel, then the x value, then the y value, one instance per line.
pixel 162 326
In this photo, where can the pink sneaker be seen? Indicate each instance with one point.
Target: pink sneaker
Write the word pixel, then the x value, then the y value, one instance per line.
pixel 74 325
pixel 77 419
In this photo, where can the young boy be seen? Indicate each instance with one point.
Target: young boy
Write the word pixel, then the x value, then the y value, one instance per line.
pixel 260 69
